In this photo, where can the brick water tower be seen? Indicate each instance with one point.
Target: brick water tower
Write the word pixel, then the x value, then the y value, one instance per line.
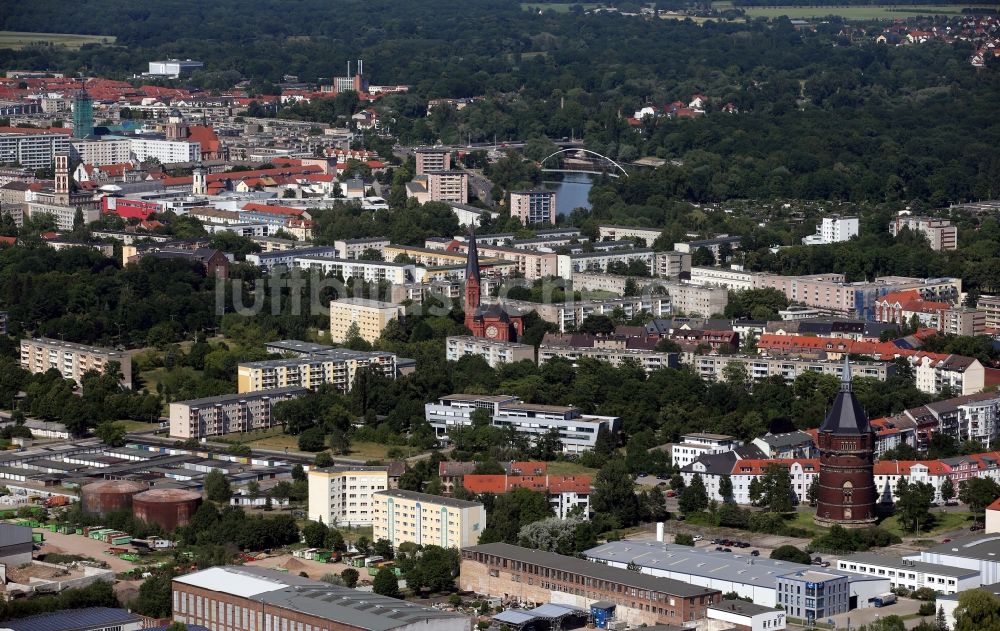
pixel 847 455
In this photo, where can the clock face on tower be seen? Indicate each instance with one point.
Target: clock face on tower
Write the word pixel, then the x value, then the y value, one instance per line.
pixel 491 331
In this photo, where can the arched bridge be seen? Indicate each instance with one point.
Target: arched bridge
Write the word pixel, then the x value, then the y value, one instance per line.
pixel 583 166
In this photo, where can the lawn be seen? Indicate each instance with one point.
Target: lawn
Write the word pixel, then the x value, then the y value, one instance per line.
pixel 568 467
pixel 944 522
pixel 276 440
pixel 20 39
pixel 855 12
pixel 137 426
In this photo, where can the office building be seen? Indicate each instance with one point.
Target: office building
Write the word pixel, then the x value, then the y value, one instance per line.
pixel 228 413
pixel 910 574
pixel 533 576
pixel 72 361
pixel 407 516
pixel 533 207
pixel 940 234
pixel 370 316
pixel 244 598
pixel 577 432
pixel 31 148
pixel 337 366
pixel 174 68
pixel 432 159
pixel 833 229
pixel 980 553
pixel 495 352
pixel 342 496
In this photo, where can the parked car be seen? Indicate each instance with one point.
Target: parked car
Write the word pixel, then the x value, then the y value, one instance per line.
pixel 642 474
pixel 743 544
pixel 671 493
pixel 946 541
pixel 718 548
pixel 716 542
pixel 755 553
pixel 727 549
pixel 697 538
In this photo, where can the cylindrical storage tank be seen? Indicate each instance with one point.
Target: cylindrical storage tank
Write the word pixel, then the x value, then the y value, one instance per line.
pixel 100 498
pixel 169 508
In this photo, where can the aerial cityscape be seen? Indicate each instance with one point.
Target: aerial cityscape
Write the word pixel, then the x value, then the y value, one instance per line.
pixel 497 315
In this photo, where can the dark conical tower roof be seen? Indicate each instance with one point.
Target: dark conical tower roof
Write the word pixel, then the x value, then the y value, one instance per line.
pixel 472 261
pixel 846 417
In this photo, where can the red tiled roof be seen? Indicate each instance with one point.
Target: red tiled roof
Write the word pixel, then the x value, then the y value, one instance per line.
pixel 8 240
pixel 274 210
pixel 245 175
pixel 480 483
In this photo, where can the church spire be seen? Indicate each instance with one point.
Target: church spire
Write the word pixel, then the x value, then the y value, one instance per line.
pixel 472 261
pixel 845 375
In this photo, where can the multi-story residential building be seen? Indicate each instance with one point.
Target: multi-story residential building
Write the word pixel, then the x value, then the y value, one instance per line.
pixel 269 261
pixel 432 159
pixel 342 496
pixel 788 445
pixel 597 262
pixel 939 232
pixel 712 367
pixel 228 413
pixel 531 264
pixel 261 599
pixel 567 494
pixel 557 236
pixel 615 353
pixel 970 417
pixel 470 215
pixel 953 373
pixel 166 151
pixel 533 207
pixel 533 576
pixel 672 264
pixel 350 249
pixel 694 445
pixel 337 366
pixel 63 215
pixel 990 306
pixel 735 279
pixel 101 152
pixel 911 574
pixel 833 230
pixel 685 298
pixel 174 68
pixel 569 315
pixel 367 271
pixel 630 233
pixel 370 316
pixel 902 306
pixel 963 321
pixel 718 246
pixel 72 361
pixel 495 352
pixel 448 186
pixel 577 432
pixel 407 516
pixel 32 148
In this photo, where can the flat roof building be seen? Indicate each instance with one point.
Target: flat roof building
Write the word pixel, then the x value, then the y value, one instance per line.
pixel 495 352
pixel 228 413
pixel 911 574
pixel 400 516
pixel 72 360
pixel 343 495
pixel 370 316
pixel 337 366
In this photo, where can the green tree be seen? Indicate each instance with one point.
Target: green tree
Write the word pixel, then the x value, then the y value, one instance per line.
pixel 111 434
pixel 154 596
pixel 683 539
pixel 776 489
pixel 323 460
pixel 978 493
pixel 948 490
pixel 386 583
pixel 978 610
pixel 217 487
pixel 694 497
pixel 315 534
pixel 791 553
pixel 614 493
pixel 726 489
pixel 383 548
pixel 812 495
pixel 913 504
pixel 350 576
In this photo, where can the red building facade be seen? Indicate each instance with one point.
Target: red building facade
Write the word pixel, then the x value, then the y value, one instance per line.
pixel 493 321
pixel 846 443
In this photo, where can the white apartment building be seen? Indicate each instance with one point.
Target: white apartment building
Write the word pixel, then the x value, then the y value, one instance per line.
pixel 533 207
pixel 174 68
pixel 724 277
pixel 597 262
pixel 228 413
pixel 400 516
pixel 961 375
pixel 694 445
pixel 63 216
pixel 567 315
pixel 368 271
pixel 672 264
pixel 166 151
pixel 911 574
pixel 371 317
pixel 612 354
pixel 338 366
pixel 110 151
pixel 41 354
pixel 351 249
pixel 31 148
pixel 342 496
pixel 939 232
pixel 711 367
pixel 990 306
pixel 628 233
pixel 833 229
pixel 577 432
pixel 495 352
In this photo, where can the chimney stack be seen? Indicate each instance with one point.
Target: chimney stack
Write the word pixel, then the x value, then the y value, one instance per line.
pixel 659 531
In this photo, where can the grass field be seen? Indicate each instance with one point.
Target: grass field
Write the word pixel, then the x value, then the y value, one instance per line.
pixel 565 467
pixel 137 426
pixel 20 39
pixel 944 522
pixel 855 12
pixel 276 440
pixel 558 7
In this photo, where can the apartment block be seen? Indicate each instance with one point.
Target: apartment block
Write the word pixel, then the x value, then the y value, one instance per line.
pixel 990 306
pixel 570 314
pixel 342 496
pixel 371 317
pixel 533 576
pixel 718 246
pixel 41 354
pixel 616 355
pixel 568 495
pixel 495 352
pixel 31 148
pixel 448 186
pixel 963 321
pixel 712 366
pixel 432 159
pixel 64 216
pixel 672 264
pixel 597 262
pixel 939 232
pixel 400 516
pixel 101 152
pixel 694 445
pixel 629 233
pixel 833 230
pixel 953 373
pixel 351 249
pixel 533 207
pixel 367 271
pixel 228 413
pixel 338 366
pixel 166 151
pixel 530 264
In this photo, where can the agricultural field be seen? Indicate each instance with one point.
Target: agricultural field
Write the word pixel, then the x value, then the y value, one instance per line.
pixel 20 39
pixel 854 12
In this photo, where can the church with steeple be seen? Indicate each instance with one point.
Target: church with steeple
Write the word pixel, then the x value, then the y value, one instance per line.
pixel 846 443
pixel 492 321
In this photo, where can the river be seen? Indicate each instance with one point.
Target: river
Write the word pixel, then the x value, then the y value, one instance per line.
pixel 571 192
